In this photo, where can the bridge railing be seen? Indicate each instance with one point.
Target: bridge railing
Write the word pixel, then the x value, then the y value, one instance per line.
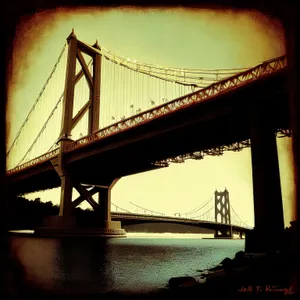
pixel 35 161
pixel 262 70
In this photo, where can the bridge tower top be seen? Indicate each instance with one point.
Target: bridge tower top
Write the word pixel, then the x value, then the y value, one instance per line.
pixel 222 207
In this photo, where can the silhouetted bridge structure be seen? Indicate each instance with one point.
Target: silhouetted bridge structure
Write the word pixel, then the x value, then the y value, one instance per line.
pixel 131 219
pixel 216 213
pixel 113 117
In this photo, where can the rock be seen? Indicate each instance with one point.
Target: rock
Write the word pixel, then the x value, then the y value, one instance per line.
pixel 227 263
pixel 240 255
pixel 239 258
pixel 218 267
pixel 178 282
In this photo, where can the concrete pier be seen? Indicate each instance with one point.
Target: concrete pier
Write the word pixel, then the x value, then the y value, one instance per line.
pixel 57 226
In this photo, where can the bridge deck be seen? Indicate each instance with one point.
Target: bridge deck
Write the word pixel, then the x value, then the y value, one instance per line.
pixel 129 219
pixel 217 121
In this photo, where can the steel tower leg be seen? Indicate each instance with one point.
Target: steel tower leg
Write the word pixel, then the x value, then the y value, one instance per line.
pixel 66 189
pixel 105 206
pixel 66 127
pixel 94 110
pixel 268 208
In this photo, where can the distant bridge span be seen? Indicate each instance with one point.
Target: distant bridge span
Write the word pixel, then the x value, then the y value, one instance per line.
pixel 131 219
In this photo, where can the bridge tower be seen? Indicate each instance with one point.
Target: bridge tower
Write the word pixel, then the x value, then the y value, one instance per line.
pixel 65 223
pixel 222 209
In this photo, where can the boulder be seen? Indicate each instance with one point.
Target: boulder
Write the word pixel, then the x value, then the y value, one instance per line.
pixel 186 281
pixel 227 263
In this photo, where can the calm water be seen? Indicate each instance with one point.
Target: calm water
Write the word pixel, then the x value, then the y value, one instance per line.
pixel 135 263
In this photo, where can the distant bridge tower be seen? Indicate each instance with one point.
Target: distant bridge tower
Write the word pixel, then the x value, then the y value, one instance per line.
pixel 222 208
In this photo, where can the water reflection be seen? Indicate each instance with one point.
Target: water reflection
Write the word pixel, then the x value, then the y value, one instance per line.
pixel 37 257
pixel 132 264
pixel 83 265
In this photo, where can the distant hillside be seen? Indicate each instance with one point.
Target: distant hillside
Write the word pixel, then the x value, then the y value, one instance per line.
pixel 29 214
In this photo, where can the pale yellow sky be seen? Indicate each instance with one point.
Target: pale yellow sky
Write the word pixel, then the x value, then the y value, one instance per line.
pixel 176 38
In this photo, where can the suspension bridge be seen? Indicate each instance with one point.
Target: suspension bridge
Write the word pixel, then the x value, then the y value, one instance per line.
pixel 214 214
pixel 101 116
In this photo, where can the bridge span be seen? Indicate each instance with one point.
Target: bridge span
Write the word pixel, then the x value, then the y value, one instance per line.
pixel 212 125
pixel 248 108
pixel 131 219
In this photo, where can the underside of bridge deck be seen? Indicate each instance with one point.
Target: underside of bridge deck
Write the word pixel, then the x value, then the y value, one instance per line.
pixel 213 123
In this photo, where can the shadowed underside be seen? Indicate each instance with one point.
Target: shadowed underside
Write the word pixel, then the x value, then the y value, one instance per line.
pixel 215 122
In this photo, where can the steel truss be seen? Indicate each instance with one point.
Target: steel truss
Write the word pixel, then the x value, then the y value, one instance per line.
pixel 217 151
pixel 262 70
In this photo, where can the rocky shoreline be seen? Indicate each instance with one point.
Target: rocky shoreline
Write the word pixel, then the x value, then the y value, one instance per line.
pixel 247 276
pixel 271 275
pixel 240 263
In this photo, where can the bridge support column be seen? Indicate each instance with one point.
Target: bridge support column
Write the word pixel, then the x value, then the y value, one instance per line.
pixel 105 207
pixel 105 202
pixel 66 190
pixel 291 22
pixel 268 208
pixel 69 224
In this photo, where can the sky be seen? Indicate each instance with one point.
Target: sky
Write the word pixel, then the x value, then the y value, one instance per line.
pixel 174 37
